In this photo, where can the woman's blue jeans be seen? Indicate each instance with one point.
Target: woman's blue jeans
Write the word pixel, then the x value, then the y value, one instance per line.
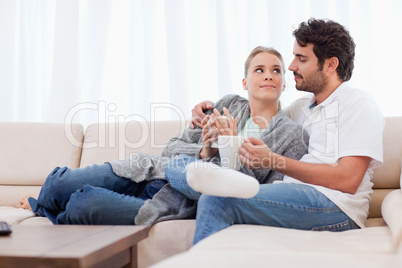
pixel 287 205
pixel 92 195
pixel 175 174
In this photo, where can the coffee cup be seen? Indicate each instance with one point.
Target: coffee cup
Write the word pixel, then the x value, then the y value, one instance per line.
pixel 229 147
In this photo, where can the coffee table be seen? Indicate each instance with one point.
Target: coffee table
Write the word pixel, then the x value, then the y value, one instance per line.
pixel 71 246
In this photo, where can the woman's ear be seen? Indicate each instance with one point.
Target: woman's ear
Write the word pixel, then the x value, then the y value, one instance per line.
pixel 244 84
pixel 284 87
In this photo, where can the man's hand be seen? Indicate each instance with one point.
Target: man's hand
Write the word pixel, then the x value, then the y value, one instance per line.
pixel 255 154
pixel 197 113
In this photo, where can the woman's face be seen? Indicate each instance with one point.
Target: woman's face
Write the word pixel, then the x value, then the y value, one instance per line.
pixel 264 80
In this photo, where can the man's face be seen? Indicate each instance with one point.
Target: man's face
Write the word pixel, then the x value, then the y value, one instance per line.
pixel 307 73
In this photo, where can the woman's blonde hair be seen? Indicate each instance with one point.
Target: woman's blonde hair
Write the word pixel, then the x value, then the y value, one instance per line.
pixel 259 50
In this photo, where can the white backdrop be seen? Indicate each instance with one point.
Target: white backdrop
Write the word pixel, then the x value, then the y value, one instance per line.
pixel 104 60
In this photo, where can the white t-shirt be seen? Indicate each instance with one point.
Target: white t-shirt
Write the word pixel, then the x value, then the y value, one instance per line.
pixel 250 129
pixel 347 123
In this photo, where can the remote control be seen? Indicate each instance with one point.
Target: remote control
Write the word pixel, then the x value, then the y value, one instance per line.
pixel 5 229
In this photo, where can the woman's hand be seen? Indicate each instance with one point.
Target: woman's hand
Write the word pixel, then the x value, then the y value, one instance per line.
pixel 255 154
pixel 198 114
pixel 208 137
pixel 211 129
pixel 226 126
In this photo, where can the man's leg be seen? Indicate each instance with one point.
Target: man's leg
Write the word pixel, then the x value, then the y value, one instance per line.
pixel 175 174
pixel 285 205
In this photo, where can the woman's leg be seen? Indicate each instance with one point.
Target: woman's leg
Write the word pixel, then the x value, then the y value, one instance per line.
pixel 175 174
pixel 98 206
pixel 285 205
pixel 63 182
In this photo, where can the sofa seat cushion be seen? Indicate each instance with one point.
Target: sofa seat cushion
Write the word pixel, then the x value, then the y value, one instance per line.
pixel 13 215
pixel 165 239
pixel 261 246
pixel 37 221
pixel 374 222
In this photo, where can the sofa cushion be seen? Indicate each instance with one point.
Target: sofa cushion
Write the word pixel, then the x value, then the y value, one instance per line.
pixel 10 195
pixel 392 213
pixel 377 197
pixel 388 175
pixel 110 142
pixel 31 151
pixel 13 215
pixel 261 246
pixel 164 240
pixel 386 178
pixel 37 221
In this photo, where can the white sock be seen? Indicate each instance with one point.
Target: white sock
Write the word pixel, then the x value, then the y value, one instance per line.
pixel 211 179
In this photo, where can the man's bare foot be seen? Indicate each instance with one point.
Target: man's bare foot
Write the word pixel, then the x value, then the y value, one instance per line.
pixel 24 201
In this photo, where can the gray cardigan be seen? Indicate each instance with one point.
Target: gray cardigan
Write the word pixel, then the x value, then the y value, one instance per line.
pixel 281 135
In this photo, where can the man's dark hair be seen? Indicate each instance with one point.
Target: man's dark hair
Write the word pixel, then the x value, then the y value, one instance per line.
pixel 330 39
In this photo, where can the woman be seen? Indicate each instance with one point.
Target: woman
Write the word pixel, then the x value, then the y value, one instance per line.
pixel 260 117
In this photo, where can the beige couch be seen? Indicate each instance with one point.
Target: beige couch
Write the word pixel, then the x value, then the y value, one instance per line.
pixel 30 151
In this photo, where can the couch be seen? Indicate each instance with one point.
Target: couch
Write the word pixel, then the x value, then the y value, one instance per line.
pixel 30 151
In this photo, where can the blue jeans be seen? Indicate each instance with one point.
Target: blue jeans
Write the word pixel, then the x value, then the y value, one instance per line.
pixel 287 205
pixel 92 195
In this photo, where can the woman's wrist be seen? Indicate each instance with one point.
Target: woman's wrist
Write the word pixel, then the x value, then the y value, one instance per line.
pixel 205 153
pixel 202 153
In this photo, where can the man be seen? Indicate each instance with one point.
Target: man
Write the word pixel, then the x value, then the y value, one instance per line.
pixel 328 189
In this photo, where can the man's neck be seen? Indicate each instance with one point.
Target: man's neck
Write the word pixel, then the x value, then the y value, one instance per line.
pixel 327 91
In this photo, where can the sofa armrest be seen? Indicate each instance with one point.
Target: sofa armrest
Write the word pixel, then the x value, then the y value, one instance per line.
pixel 392 213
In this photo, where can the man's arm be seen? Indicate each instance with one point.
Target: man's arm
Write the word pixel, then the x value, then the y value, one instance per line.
pixel 344 176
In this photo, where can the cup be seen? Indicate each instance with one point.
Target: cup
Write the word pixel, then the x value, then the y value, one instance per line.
pixel 214 144
pixel 229 147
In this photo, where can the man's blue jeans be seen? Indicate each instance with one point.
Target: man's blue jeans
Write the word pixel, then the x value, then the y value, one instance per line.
pixel 287 205
pixel 92 195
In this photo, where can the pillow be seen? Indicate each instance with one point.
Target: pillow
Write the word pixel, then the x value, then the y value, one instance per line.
pixel 211 179
pixel 391 210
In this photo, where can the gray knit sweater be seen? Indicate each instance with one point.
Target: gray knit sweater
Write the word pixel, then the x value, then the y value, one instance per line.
pixel 281 135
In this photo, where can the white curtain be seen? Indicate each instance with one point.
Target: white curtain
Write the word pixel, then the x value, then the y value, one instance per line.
pixel 105 60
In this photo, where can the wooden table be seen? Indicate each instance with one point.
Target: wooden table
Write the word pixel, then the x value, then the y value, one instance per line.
pixel 71 246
